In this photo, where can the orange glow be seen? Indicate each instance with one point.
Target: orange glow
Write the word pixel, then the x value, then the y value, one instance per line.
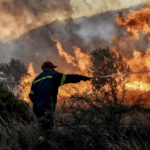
pixel 137 24
pixel 62 53
pixel 138 85
pixel 139 81
pixel 80 61
pixel 27 81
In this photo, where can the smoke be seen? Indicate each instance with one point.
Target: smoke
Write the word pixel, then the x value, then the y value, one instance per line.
pixel 100 26
pixel 36 45
pixel 93 7
pixel 20 16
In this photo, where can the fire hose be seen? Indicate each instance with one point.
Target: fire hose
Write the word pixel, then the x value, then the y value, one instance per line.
pixel 114 75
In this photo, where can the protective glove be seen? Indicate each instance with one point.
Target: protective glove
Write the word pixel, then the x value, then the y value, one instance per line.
pixel 86 78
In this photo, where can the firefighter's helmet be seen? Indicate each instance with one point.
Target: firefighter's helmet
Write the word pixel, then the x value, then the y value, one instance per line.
pixel 48 64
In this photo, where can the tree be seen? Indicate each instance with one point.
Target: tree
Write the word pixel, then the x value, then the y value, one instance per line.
pixel 106 62
pixel 11 106
pixel 112 90
pixel 12 73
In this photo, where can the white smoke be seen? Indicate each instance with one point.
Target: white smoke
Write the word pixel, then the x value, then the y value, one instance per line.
pixel 102 31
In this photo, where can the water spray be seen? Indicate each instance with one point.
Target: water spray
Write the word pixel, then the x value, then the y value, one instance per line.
pixel 114 75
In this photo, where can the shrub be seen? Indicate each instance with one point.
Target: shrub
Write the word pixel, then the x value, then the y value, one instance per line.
pixel 12 106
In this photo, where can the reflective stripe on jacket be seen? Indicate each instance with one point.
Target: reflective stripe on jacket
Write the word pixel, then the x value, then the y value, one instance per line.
pixel 46 84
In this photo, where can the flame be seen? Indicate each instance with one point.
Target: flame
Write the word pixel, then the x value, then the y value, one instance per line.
pixel 80 61
pixel 138 85
pixel 137 24
pixel 27 81
pixel 62 53
pixel 136 21
pixel 139 63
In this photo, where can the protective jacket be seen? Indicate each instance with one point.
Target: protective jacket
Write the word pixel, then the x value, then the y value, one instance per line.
pixel 44 88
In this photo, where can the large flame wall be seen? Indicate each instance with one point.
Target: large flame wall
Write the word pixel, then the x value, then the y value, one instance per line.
pixel 32 32
pixel 140 60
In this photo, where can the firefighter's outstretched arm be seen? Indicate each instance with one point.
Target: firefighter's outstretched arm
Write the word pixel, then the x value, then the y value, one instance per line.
pixel 74 78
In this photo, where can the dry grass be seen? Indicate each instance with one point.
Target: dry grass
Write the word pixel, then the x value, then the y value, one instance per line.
pixel 19 135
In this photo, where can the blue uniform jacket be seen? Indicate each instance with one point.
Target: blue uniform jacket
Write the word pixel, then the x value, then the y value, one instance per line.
pixel 46 85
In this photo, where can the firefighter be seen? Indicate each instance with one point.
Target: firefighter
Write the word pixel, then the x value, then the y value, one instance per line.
pixel 43 94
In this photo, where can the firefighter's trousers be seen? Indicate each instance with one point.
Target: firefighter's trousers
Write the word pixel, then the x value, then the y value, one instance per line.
pixel 45 122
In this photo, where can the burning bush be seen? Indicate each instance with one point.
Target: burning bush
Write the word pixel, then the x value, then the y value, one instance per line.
pixel 105 62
